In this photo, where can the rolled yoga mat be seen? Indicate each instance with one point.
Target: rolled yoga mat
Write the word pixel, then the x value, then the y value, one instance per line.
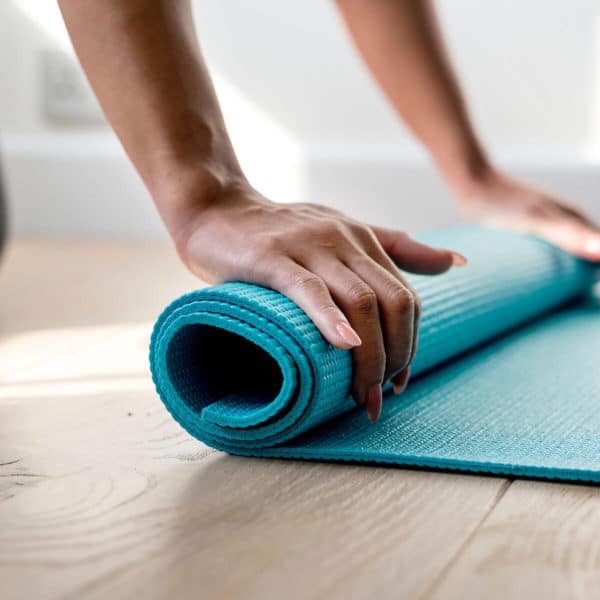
pixel 506 378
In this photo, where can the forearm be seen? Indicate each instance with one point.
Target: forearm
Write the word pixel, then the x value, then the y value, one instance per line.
pixel 144 63
pixel 401 44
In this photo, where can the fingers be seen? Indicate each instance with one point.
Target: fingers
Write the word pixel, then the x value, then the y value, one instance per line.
pixel 400 381
pixel 415 257
pixel 356 296
pixel 575 213
pixel 576 237
pixel 375 251
pixel 359 302
pixel 398 311
pixel 345 311
pixel 589 234
pixel 539 214
pixel 564 226
pixel 312 295
pixel 567 230
pixel 384 310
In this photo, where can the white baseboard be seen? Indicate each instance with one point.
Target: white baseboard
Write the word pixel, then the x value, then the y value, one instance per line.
pixel 83 185
pixel 74 186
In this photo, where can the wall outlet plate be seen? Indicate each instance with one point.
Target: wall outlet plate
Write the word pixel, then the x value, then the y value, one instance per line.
pixel 66 96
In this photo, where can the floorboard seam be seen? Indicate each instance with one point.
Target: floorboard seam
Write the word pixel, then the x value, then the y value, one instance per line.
pixel 467 541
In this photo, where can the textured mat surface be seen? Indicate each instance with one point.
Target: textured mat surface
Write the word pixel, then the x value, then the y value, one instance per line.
pixel 505 379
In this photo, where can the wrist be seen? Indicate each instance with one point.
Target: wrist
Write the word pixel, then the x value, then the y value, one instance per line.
pixel 187 171
pixel 470 178
pixel 187 193
pixel 467 171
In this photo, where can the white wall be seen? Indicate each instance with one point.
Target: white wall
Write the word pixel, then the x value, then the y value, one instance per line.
pixel 306 118
pixel 530 68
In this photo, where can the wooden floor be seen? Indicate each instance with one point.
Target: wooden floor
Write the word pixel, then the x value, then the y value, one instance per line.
pixel 102 495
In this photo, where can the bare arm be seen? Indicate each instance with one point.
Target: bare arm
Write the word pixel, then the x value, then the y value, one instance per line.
pixel 143 60
pixel 401 43
pixel 144 63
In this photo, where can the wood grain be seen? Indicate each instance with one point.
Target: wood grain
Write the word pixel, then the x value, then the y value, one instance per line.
pixel 541 541
pixel 99 504
pixel 102 495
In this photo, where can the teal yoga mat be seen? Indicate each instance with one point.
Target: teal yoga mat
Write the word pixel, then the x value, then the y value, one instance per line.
pixel 506 378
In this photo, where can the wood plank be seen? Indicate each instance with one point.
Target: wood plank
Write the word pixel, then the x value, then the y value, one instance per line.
pixel 99 504
pixel 51 283
pixel 102 495
pixel 541 541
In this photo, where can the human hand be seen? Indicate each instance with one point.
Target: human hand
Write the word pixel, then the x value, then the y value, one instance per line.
pixel 345 275
pixel 500 201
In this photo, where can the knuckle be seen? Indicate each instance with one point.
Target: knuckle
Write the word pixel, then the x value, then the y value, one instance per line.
pixel 330 308
pixel 365 234
pixel 306 281
pixel 329 228
pixel 358 227
pixel 363 299
pixel 401 300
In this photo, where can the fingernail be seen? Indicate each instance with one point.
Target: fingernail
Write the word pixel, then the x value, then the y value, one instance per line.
pixel 348 334
pixel 400 381
pixel 374 402
pixel 458 260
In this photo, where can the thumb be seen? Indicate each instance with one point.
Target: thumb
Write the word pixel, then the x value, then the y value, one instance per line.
pixel 414 256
